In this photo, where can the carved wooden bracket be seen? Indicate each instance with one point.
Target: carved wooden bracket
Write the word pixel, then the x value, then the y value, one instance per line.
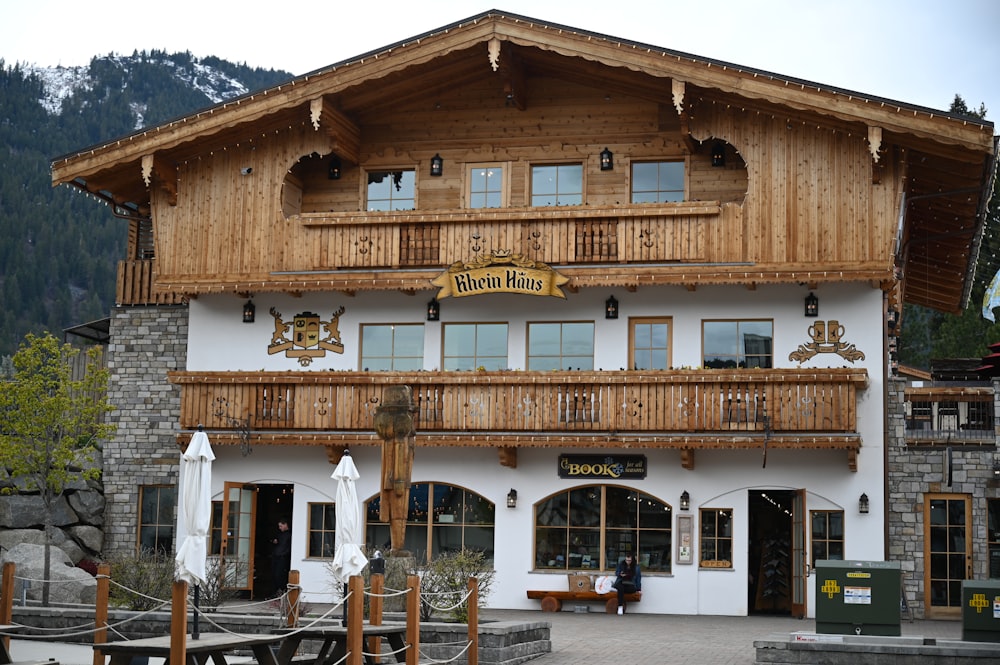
pixel 677 89
pixel 334 451
pixel 344 133
pixel 687 458
pixel 852 459
pixel 165 176
pixel 874 141
pixel 493 53
pixel 508 456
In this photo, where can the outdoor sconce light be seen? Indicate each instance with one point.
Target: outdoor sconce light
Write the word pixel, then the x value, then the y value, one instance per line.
pixel 437 165
pixel 512 498
pixel 719 154
pixel 607 160
pixel 685 500
pixel 892 317
pixel 812 304
pixel 249 312
pixel 334 172
pixel 611 308
pixel 863 504
pixel 433 310
pixel 246 170
pixel 996 469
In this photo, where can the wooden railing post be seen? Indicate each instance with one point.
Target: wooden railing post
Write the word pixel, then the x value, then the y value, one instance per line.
pixel 375 605
pixel 355 620
pixel 7 599
pixel 101 610
pixel 294 593
pixel 472 655
pixel 178 623
pixel 413 619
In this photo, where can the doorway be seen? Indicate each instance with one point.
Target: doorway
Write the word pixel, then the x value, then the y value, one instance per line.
pixel 274 503
pixel 769 584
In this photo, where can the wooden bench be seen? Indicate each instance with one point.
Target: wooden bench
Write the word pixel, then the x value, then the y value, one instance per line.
pixel 552 600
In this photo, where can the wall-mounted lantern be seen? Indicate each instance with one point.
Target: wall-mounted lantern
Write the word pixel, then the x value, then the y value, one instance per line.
pixel 611 308
pixel 607 160
pixel 863 504
pixel 437 165
pixel 433 310
pixel 812 304
pixel 249 312
pixel 685 500
pixel 512 498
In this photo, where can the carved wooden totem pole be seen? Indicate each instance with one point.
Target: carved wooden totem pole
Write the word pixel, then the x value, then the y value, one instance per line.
pixel 394 425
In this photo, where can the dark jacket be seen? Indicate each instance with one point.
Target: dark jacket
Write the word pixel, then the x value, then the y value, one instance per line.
pixel 636 577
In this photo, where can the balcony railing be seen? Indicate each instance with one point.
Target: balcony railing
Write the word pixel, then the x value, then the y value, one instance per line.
pixel 514 404
pixel 135 285
pixel 950 415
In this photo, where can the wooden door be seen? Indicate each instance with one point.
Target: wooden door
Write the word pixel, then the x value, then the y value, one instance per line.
pixel 800 566
pixel 947 553
pixel 239 516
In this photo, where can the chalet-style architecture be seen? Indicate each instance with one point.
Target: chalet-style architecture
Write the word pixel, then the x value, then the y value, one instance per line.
pixel 644 301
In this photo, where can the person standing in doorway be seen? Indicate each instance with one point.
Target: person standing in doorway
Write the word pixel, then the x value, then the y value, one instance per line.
pixel 628 579
pixel 281 557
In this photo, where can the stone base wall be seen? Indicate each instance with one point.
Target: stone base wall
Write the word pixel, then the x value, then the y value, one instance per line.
pixel 147 342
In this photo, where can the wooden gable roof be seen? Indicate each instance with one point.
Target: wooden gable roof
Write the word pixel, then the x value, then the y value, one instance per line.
pixel 950 158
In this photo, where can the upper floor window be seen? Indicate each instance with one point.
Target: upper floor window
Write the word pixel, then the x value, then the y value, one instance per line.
pixel 732 344
pixel 487 186
pixel 391 190
pixel 157 515
pixel 657 182
pixel 560 346
pixel 469 346
pixel 649 342
pixel 557 185
pixel 392 346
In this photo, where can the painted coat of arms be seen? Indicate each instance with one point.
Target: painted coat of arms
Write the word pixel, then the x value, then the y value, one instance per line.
pixel 303 337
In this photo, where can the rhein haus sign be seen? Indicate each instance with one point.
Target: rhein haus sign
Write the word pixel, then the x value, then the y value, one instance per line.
pixel 500 272
pixel 607 467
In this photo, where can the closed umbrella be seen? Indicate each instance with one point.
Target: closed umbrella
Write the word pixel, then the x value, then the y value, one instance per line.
pixel 349 557
pixel 196 511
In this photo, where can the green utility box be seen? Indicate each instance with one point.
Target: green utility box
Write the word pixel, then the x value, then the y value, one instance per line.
pixel 858 597
pixel 981 610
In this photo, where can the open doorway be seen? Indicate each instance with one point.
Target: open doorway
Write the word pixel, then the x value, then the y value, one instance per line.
pixel 769 588
pixel 274 503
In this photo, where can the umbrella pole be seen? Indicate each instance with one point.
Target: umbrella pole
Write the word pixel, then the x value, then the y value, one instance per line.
pixel 194 624
pixel 344 620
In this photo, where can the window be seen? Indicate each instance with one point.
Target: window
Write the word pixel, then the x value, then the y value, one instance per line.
pixel 560 346
pixel 593 527
pixel 487 186
pixel 157 515
pixel 386 347
pixel 442 518
pixel 716 538
pixel 731 344
pixel 557 185
pixel 469 346
pixel 391 190
pixel 322 529
pixel 827 535
pixel 649 340
pixel 993 536
pixel 657 182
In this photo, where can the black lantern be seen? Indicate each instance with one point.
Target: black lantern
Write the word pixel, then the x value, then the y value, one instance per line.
pixel 512 498
pixel 685 500
pixel 719 154
pixel 863 504
pixel 437 165
pixel 607 160
pixel 249 312
pixel 334 172
pixel 812 305
pixel 611 308
pixel 433 310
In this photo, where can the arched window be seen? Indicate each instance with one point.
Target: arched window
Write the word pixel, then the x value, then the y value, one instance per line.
pixel 593 527
pixel 441 518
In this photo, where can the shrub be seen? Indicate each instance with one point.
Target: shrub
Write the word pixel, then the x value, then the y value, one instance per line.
pixel 445 580
pixel 141 581
pixel 214 592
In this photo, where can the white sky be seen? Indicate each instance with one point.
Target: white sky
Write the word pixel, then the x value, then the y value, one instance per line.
pixel 916 51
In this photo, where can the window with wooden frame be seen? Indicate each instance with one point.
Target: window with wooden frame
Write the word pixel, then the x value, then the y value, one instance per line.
pixel 322 530
pixel 827 535
pixel 486 186
pixel 593 527
pixel 391 190
pixel 471 346
pixel 658 182
pixel 556 185
pixel 392 347
pixel 737 344
pixel 649 343
pixel 993 537
pixel 553 346
pixel 157 516
pixel 716 540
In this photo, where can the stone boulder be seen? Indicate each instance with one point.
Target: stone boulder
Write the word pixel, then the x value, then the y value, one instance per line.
pixel 67 583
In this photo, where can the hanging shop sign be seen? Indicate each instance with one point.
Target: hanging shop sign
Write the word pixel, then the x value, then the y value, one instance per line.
pixel 609 467
pixel 499 272
pixel 303 338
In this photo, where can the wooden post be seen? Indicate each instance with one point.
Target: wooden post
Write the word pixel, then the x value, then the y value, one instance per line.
pixel 178 623
pixel 7 601
pixel 472 655
pixel 294 592
pixel 375 613
pixel 355 620
pixel 101 610
pixel 413 619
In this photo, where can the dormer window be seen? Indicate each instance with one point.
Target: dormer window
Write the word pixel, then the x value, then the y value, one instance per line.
pixel 391 190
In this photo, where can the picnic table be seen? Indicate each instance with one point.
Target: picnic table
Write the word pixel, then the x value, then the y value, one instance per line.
pixel 334 643
pixel 208 646
pixel 5 657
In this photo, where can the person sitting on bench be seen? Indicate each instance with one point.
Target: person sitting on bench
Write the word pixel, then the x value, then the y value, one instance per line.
pixel 628 579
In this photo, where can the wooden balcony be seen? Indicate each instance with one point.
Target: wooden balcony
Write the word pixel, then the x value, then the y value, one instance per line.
pixel 684 409
pixel 135 285
pixel 950 415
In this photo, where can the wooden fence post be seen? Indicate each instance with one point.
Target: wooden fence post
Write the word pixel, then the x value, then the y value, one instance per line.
pixel 294 593
pixel 7 600
pixel 472 655
pixel 178 623
pixel 413 619
pixel 375 613
pixel 101 610
pixel 355 620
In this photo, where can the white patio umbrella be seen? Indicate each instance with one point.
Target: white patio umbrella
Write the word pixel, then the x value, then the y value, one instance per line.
pixel 196 512
pixel 349 557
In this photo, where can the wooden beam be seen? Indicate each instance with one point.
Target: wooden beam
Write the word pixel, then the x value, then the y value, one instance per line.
pixel 158 171
pixel 344 133
pixel 687 458
pixel 512 72
pixel 852 459
pixel 508 456
pixel 334 451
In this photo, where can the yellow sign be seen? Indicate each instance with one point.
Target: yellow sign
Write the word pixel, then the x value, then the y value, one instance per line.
pixel 979 601
pixel 862 575
pixel 830 588
pixel 500 272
